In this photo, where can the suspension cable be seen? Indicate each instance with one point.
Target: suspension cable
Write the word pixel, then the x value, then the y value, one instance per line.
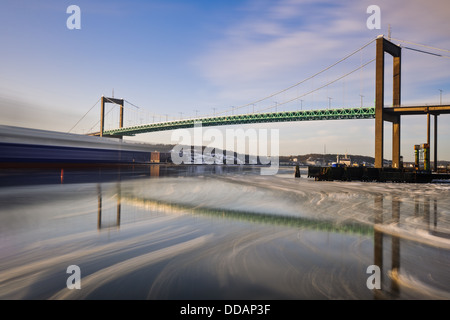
pixel 325 85
pixel 427 52
pixel 422 45
pixel 105 114
pixel 304 80
pixel 131 104
pixel 83 116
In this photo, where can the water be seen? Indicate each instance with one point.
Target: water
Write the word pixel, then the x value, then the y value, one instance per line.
pixel 213 232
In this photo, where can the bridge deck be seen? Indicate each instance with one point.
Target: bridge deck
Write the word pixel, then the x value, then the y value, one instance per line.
pixel 416 110
pixel 286 116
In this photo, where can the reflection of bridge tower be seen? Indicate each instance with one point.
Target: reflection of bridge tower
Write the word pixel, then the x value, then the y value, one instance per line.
pixel 425 214
pixel 378 245
pixel 383 46
pixel 100 206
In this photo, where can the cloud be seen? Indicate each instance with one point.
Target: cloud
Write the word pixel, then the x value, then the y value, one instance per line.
pixel 278 44
pixel 425 21
pixel 279 47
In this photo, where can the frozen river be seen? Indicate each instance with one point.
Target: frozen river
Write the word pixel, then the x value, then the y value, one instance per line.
pixel 221 233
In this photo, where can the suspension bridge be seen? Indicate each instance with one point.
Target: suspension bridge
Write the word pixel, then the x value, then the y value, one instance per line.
pixel 379 111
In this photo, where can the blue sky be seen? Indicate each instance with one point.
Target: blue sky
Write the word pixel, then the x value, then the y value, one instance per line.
pixel 182 58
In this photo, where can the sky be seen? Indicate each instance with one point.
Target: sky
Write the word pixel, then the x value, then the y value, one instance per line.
pixel 179 59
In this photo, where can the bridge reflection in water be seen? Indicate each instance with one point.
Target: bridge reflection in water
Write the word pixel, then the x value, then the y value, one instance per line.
pixel 189 232
pixel 422 229
pixel 389 227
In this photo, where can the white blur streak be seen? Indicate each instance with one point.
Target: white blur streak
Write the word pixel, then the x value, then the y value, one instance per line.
pixel 417 235
pixel 245 258
pixel 414 284
pixel 33 265
pixel 103 276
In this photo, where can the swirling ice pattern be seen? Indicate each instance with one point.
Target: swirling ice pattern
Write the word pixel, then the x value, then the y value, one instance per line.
pixel 199 238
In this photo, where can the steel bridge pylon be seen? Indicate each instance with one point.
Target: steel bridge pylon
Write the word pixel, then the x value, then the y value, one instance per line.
pixel 104 100
pixel 383 46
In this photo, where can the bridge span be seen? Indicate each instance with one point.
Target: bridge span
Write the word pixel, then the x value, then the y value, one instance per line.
pixel 380 112
pixel 286 116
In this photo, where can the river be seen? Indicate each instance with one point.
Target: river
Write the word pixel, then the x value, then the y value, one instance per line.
pixel 220 232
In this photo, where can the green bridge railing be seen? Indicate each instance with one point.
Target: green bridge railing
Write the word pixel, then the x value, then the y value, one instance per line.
pixel 286 116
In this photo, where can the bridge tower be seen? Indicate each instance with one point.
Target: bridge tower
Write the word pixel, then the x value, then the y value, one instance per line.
pixel 383 46
pixel 102 113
